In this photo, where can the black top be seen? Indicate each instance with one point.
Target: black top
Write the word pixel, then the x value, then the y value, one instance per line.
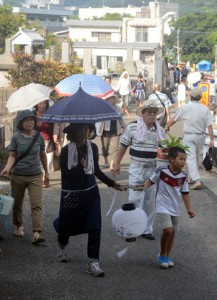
pixel 75 178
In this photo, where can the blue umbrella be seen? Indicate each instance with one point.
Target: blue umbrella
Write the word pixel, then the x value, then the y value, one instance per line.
pixel 91 84
pixel 80 108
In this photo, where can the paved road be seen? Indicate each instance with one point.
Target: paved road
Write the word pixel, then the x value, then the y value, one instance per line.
pixel 31 272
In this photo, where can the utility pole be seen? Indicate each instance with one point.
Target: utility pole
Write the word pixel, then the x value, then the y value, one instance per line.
pixel 178 48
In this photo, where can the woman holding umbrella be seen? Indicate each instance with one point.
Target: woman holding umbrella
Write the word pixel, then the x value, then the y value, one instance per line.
pixel 80 200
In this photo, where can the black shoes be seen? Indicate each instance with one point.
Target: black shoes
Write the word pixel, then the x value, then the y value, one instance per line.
pixel 148 236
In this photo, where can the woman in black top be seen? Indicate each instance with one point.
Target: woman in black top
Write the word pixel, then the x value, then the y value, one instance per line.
pixel 80 200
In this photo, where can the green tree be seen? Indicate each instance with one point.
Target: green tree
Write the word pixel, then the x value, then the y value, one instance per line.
pixel 47 72
pixel 113 17
pixel 9 24
pixel 197 36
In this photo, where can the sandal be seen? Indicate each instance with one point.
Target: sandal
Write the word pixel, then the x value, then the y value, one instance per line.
pixel 37 238
pixel 196 187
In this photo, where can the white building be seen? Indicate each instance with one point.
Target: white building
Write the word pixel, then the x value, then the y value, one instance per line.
pixel 95 31
pixel 43 4
pixel 91 12
pixel 26 39
pixel 134 43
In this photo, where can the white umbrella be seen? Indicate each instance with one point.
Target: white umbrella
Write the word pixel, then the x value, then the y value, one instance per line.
pixel 193 77
pixel 28 96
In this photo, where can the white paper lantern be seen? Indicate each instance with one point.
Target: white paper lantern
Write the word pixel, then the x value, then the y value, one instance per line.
pixel 129 222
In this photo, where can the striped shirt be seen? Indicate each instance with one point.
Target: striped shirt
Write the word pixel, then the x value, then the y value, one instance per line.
pixel 140 152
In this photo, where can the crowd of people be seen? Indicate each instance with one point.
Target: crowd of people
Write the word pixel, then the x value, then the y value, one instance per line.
pixel 160 191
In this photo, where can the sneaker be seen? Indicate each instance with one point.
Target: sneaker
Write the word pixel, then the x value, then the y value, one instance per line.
pixel 61 256
pixel 37 238
pixel 170 262
pixel 148 236
pixel 19 231
pixel 94 269
pixel 162 261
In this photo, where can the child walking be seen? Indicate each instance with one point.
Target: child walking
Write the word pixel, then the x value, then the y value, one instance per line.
pixel 139 90
pixel 172 183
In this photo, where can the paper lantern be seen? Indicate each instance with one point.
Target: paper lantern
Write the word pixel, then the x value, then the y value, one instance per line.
pixel 129 222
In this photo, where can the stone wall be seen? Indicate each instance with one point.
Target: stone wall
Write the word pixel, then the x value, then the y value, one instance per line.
pixel 6 119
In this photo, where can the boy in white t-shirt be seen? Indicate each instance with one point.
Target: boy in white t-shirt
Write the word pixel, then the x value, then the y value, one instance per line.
pixel 172 184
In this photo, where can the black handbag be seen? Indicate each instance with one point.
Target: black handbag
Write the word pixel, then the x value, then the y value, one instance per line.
pixel 208 161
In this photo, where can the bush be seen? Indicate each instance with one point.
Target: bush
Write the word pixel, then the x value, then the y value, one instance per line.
pixel 47 72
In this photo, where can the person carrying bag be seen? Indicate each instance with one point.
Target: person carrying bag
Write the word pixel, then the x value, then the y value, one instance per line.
pixel 27 154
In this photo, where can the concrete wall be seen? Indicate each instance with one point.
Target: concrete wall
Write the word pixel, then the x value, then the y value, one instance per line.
pixel 6 119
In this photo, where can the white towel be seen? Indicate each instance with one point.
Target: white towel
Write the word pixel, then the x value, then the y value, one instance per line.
pixel 73 157
pixel 142 131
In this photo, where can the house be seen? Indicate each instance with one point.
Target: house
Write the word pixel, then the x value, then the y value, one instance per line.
pixel 27 41
pixel 95 31
pixel 135 43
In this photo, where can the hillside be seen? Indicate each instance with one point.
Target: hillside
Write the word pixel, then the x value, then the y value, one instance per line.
pixel 186 6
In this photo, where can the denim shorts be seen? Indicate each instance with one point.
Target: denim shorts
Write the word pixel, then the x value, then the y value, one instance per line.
pixel 167 221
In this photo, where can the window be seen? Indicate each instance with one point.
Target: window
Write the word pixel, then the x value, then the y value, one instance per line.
pixel 141 34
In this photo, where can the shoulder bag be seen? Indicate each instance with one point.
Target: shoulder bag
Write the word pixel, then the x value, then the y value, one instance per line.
pixel 162 120
pixel 19 158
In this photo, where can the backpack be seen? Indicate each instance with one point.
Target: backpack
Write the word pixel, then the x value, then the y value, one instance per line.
pixel 184 72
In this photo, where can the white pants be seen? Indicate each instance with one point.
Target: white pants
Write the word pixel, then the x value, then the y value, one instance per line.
pixel 195 143
pixel 49 159
pixel 146 199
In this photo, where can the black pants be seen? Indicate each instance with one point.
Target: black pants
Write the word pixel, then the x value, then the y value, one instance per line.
pixel 93 244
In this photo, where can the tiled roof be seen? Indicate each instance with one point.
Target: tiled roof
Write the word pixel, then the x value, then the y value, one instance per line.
pixel 94 23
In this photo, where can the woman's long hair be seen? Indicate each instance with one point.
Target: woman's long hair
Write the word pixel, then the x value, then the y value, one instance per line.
pixel 47 105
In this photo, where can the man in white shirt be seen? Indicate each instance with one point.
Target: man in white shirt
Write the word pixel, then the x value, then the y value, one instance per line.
pixel 162 101
pixel 196 118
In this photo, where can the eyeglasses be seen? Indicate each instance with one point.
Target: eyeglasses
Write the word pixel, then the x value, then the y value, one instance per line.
pixel 151 111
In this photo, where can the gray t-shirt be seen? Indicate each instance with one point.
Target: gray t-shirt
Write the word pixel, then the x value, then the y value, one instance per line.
pixel 31 163
pixel 196 117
